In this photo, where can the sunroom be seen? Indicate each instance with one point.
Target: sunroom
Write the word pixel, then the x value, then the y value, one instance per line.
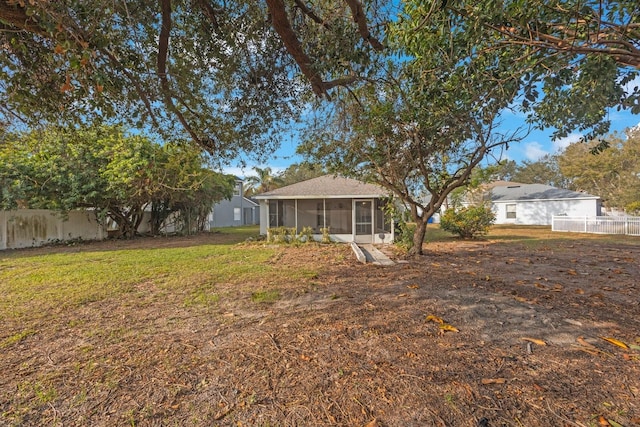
pixel 351 210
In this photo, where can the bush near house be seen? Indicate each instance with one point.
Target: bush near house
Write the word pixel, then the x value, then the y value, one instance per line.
pixel 468 222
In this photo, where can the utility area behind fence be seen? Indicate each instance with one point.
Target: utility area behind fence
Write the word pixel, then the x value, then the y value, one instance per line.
pixel 629 225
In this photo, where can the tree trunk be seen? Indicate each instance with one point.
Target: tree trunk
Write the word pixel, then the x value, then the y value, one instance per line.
pixel 418 238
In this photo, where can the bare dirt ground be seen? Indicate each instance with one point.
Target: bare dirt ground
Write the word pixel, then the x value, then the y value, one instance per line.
pixel 354 346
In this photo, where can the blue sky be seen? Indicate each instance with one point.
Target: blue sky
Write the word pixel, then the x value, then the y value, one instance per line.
pixel 535 145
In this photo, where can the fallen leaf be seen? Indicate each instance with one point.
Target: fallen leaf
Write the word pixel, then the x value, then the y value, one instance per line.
pixel 634 347
pixel 602 421
pixel 372 423
pixel 614 424
pixel 616 342
pixel 582 341
pixel 572 272
pixel 534 340
pixel 592 351
pixel 579 291
pixel 402 295
pixel 436 319
pixel 447 327
pixel 521 299
pixel 413 287
pixel 487 381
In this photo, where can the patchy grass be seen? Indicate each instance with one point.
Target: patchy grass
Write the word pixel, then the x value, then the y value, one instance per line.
pixel 266 296
pixel 37 283
pixel 16 338
pixel 529 235
pixel 207 330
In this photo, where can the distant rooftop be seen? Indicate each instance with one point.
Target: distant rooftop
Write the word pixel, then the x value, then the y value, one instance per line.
pixel 326 186
pixel 515 191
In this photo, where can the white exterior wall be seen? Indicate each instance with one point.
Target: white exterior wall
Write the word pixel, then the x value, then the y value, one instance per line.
pixel 540 212
pixel 264 216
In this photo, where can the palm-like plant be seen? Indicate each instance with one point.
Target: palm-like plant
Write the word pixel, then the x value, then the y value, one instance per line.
pixel 263 181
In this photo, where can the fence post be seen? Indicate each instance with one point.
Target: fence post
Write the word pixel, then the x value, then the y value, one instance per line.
pixel 626 225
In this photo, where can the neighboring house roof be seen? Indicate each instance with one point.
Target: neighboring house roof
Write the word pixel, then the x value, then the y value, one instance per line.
pixel 521 192
pixel 327 186
pixel 251 202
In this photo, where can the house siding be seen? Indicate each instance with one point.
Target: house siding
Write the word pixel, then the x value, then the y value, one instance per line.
pixel 540 212
pixel 223 213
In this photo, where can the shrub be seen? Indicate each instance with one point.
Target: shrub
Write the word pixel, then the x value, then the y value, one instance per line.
pixel 468 222
pixel 289 235
pixel 306 235
pixel 633 208
pixel 326 238
pixel 404 236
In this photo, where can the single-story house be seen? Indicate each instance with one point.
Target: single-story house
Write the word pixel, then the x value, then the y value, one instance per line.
pixel 536 204
pixel 236 211
pixel 352 210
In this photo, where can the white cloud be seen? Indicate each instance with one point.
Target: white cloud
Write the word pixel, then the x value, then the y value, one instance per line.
pixel 243 172
pixel 533 151
pixel 562 143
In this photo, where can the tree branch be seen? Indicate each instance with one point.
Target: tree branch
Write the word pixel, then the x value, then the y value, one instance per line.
pixel 360 18
pixel 311 14
pixel 15 15
pixel 281 24
pixel 163 53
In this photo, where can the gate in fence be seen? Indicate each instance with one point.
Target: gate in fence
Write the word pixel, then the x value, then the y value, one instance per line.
pixel 597 224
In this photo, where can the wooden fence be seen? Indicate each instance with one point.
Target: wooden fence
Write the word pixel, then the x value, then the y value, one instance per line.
pixel 597 224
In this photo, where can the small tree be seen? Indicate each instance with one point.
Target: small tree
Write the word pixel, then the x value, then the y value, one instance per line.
pixel 468 222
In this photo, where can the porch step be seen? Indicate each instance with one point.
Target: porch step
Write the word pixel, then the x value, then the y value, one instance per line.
pixel 374 256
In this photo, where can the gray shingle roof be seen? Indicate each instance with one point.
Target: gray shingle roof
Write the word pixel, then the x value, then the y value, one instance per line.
pixel 329 186
pixel 534 192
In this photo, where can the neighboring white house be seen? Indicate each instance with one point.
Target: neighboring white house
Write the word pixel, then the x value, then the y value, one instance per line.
pixel 351 209
pixel 236 211
pixel 535 204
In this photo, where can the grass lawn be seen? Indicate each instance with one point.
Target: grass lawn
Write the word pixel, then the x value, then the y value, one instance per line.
pixel 212 330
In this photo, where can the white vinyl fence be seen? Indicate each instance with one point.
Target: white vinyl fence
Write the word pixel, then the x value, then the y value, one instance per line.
pixel 33 227
pixel 597 224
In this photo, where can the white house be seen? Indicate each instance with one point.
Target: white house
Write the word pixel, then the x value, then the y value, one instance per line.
pixel 236 211
pixel 352 210
pixel 535 204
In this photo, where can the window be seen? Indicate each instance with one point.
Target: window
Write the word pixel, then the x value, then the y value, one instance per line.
pixel 282 213
pixel 310 214
pixel 237 214
pixel 275 207
pixel 238 189
pixel 383 221
pixel 511 211
pixel 338 216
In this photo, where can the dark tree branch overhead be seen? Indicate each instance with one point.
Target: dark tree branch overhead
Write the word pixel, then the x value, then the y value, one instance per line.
pixel 15 15
pixel 283 27
pixel 360 18
pixel 163 52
